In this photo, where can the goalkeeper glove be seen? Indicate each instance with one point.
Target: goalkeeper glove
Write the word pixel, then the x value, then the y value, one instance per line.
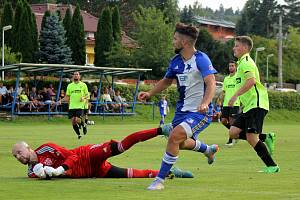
pixel 54 172
pixel 39 171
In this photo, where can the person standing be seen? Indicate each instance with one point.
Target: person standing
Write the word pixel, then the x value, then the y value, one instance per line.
pixel 196 85
pixel 254 98
pixel 163 109
pixel 77 94
pixel 229 88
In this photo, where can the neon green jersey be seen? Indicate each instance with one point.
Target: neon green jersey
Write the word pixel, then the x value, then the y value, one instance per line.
pixel 257 96
pixel 229 88
pixel 75 91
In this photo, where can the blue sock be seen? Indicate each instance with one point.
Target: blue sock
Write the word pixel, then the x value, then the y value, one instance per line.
pixel 166 165
pixel 200 147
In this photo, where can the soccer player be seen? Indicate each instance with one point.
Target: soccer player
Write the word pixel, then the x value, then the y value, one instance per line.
pixel 254 98
pixel 51 160
pixel 163 109
pixel 195 78
pixel 229 88
pixel 77 94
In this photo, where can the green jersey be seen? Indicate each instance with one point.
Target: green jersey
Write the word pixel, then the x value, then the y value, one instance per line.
pixel 257 96
pixel 76 91
pixel 229 88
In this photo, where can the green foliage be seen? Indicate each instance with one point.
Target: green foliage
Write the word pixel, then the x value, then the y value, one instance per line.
pixel 53 48
pixel 34 39
pixel 67 26
pixel 10 57
pixel 219 53
pixel 46 14
pixel 16 27
pixel 154 39
pixel 292 14
pixel 170 10
pixel 284 100
pixel 119 56
pixel 104 38
pixel 77 38
pixel 7 19
pixel 116 25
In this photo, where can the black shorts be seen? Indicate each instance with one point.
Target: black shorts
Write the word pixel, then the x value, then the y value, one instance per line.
pixel 230 111
pixel 75 113
pixel 85 111
pixel 251 121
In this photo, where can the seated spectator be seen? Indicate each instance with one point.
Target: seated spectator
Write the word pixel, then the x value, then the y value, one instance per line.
pixel 46 98
pixel 24 102
pixel 109 106
pixel 26 89
pixel 10 95
pixel 3 92
pixel 51 91
pixel 20 89
pixel 34 98
pixel 64 106
pixel 120 101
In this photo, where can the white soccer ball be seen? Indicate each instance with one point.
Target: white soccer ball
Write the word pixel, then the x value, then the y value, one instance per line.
pixel 92 123
pixel 39 171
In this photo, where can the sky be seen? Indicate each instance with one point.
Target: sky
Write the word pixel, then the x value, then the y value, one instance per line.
pixel 215 4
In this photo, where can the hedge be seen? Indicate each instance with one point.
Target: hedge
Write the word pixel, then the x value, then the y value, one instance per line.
pixel 278 100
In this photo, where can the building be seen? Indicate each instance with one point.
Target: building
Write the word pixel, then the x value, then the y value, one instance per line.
pixel 90 26
pixel 220 30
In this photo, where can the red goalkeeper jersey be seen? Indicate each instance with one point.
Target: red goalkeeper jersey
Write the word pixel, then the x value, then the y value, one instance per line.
pixel 82 162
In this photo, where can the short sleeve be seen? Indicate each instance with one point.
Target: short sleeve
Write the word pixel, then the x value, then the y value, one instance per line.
pixel 170 73
pixel 204 65
pixel 248 71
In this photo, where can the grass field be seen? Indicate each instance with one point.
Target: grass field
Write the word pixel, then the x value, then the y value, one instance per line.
pixel 233 176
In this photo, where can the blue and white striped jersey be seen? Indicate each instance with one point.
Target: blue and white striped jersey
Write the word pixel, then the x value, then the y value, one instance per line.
pixel 190 76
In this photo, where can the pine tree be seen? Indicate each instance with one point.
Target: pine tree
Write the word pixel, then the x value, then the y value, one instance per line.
pixel 77 38
pixel 16 27
pixel 7 19
pixel 67 25
pixel 53 48
pixel 26 34
pixel 46 14
pixel 34 39
pixel 292 14
pixel 116 25
pixel 104 38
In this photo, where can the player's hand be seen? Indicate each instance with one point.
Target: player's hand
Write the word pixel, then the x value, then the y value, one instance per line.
pixel 39 171
pixel 232 100
pixel 202 108
pixel 143 96
pixel 54 172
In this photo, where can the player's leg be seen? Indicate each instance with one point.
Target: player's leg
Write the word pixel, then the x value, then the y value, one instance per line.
pixel 254 124
pixel 84 121
pixel 72 116
pixel 117 172
pixel 134 138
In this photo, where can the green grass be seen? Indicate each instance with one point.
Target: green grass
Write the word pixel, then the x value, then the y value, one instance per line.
pixel 233 176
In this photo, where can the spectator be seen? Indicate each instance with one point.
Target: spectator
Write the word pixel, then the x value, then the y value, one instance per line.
pixel 3 92
pixel 34 98
pixel 109 106
pixel 120 101
pixel 24 102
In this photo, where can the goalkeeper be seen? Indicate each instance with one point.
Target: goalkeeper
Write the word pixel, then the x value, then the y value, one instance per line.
pixel 51 160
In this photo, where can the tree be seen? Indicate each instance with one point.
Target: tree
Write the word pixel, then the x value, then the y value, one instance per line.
pixel 7 19
pixel 46 14
pixel 170 10
pixel 104 38
pixel 53 48
pixel 77 38
pixel 154 39
pixel 25 34
pixel 16 27
pixel 67 26
pixel 116 25
pixel 34 39
pixel 292 13
pixel 10 57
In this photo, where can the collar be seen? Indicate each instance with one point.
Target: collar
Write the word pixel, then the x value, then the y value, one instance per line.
pixel 242 58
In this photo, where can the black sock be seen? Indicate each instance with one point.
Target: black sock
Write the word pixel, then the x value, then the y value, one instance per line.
pixel 263 153
pixel 76 129
pixel 242 135
pixel 229 140
pixel 262 137
pixel 227 126
pixel 86 120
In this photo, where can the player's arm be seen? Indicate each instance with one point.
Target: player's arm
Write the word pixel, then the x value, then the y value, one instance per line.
pixel 249 83
pixel 160 86
pixel 69 160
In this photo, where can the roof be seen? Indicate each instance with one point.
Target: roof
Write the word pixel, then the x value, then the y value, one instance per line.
pixel 53 68
pixel 90 22
pixel 222 23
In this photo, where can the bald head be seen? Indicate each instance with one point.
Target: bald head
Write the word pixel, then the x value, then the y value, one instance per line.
pixel 21 151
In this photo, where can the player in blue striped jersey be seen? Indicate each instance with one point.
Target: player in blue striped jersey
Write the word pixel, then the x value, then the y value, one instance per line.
pixel 195 78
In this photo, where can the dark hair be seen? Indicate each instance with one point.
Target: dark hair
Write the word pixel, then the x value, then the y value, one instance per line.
pixel 188 30
pixel 246 40
pixel 232 61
